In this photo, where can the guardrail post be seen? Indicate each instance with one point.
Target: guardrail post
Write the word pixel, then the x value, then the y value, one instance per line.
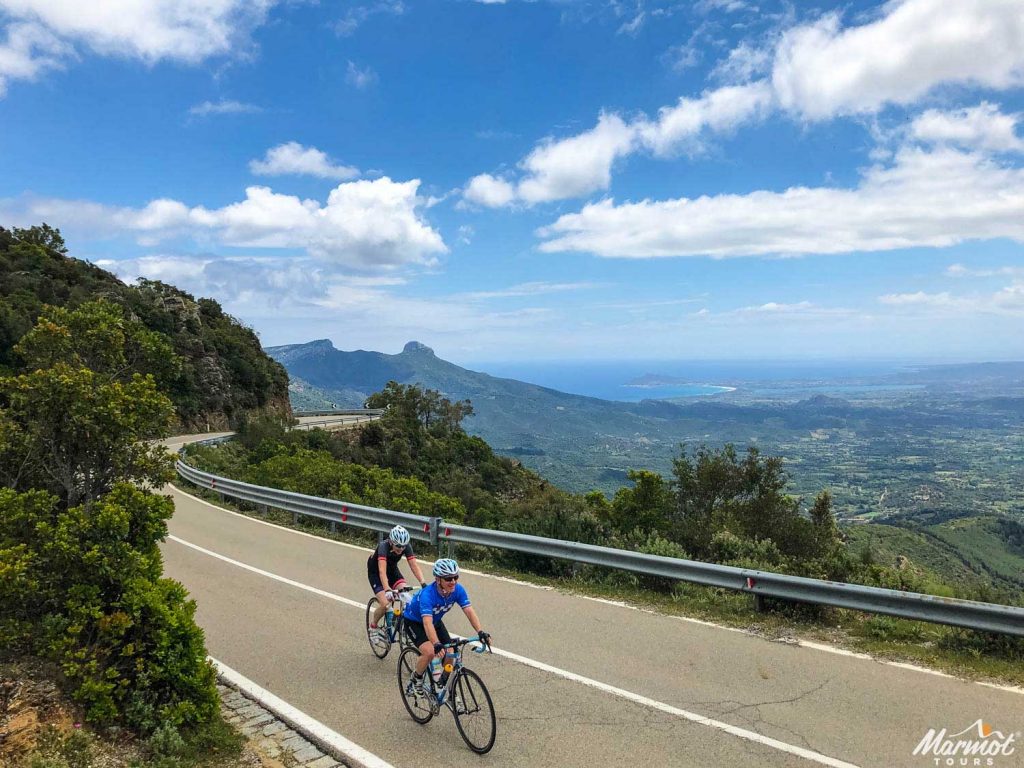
pixel 435 530
pixel 261 508
pixel 759 605
pixel 295 518
pixel 334 527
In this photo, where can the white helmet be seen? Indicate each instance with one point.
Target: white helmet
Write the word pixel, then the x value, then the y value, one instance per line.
pixel 399 536
pixel 446 567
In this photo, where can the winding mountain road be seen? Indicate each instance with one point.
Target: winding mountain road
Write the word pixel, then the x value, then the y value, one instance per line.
pixel 576 681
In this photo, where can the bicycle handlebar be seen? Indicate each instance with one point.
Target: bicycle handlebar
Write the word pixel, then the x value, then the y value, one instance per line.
pixel 466 640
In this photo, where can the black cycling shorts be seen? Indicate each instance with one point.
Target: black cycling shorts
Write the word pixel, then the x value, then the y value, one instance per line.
pixel 395 578
pixel 419 634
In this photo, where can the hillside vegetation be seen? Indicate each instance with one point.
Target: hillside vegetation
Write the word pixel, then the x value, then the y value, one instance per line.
pixel 719 505
pixel 81 575
pixel 220 375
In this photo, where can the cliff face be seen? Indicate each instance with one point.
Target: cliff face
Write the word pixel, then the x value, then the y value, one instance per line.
pixel 225 376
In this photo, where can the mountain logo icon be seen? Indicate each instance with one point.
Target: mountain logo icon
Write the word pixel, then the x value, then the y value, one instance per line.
pixel 977 739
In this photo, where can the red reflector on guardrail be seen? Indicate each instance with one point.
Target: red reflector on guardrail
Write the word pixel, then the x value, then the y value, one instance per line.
pixel 447 531
pixel 750 583
pixel 426 527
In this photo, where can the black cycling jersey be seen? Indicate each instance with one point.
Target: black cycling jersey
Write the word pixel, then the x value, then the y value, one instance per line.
pixel 384 552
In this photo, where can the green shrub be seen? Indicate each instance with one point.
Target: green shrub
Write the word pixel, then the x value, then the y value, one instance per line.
pixel 979 644
pixel 125 639
pixel 893 629
pixel 57 750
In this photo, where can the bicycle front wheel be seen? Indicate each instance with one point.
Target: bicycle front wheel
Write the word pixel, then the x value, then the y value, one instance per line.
pixel 474 711
pixel 380 643
pixel 418 706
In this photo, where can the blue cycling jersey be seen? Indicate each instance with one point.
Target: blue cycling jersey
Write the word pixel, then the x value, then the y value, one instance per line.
pixel 429 601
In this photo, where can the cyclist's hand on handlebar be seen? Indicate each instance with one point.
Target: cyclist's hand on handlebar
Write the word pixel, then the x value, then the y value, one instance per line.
pixel 438 647
pixel 485 637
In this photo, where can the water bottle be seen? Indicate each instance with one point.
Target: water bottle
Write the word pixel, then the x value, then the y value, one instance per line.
pixel 387 619
pixel 435 669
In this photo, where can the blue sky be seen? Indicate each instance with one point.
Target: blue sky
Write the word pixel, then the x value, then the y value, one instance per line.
pixel 601 179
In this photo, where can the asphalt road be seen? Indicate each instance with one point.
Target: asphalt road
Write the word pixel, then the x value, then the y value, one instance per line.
pixel 577 682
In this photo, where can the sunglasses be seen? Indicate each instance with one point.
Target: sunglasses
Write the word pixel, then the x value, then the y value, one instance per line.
pixel 449 579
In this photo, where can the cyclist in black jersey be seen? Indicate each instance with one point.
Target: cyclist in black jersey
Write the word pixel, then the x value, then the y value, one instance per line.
pixel 382 568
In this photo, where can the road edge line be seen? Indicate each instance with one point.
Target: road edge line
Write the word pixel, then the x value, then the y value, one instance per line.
pixel 313 730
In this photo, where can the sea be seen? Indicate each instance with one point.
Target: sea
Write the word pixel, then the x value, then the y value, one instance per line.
pixel 610 380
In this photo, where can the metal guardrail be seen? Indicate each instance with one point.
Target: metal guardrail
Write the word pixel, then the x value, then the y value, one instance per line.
pixel 989 617
pixel 373 412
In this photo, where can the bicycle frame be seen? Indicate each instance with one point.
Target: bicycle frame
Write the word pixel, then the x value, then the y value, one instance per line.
pixel 441 697
pixel 395 622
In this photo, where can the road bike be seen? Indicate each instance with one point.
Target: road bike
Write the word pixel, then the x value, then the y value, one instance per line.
pixel 460 689
pixel 391 628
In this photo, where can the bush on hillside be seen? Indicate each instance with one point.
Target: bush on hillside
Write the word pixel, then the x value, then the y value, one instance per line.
pixel 80 569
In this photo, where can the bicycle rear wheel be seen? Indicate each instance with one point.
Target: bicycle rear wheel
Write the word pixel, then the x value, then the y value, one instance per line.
pixel 380 642
pixel 474 712
pixel 418 706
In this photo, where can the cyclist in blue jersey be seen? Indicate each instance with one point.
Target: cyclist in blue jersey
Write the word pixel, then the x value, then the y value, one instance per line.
pixel 382 568
pixel 423 617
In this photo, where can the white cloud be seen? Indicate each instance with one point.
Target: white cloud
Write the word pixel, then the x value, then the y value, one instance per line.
pixel 43 34
pixel 489 191
pixel 822 70
pixel 718 110
pixel 223 107
pixel 633 26
pixel 364 224
pixel 679 58
pixel 1006 301
pixel 743 63
pixel 582 164
pixel 983 126
pixel 817 71
pixel 359 14
pixel 293 158
pixel 575 166
pixel 526 289
pixel 959 270
pixel 28 51
pixel 360 77
pixel 923 198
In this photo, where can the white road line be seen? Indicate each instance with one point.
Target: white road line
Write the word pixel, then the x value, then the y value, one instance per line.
pixel 742 733
pixel 824 647
pixel 299 720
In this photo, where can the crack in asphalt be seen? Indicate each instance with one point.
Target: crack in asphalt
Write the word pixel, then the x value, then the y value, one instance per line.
pixel 758 718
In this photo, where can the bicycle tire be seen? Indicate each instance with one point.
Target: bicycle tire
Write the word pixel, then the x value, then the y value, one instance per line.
pixel 474 711
pixel 380 644
pixel 419 709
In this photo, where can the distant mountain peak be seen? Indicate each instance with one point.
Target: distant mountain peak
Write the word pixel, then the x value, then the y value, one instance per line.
pixel 416 348
pixel 323 343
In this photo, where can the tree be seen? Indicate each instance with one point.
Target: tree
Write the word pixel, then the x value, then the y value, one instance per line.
pixel 73 430
pixel 43 236
pixel 717 490
pixel 647 505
